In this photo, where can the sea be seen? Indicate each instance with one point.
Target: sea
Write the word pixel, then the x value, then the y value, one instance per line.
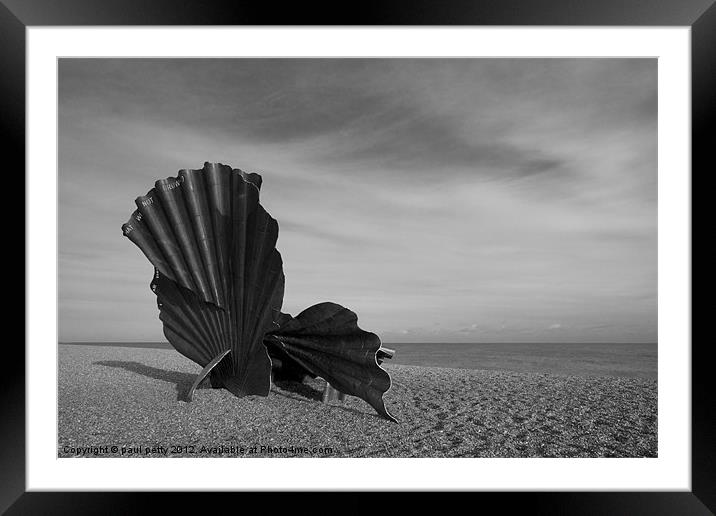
pixel 582 359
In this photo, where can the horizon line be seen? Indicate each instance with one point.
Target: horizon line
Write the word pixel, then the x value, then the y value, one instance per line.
pixel 386 342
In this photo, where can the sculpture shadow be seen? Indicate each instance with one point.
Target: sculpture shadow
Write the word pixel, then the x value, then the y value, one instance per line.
pixel 182 381
pixel 301 389
pixel 296 390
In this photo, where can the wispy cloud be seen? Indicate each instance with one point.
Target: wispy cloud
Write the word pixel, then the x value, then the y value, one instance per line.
pixel 423 194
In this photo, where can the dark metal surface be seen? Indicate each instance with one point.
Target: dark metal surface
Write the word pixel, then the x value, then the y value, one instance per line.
pixel 204 373
pixel 219 286
pixel 384 354
pixel 325 340
pixel 219 278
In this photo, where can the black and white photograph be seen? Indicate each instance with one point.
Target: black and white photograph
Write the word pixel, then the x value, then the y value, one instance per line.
pixel 357 257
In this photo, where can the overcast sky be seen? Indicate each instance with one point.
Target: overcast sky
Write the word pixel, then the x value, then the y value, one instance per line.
pixel 443 200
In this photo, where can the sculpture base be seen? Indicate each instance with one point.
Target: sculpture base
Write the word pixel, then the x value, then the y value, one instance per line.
pixel 205 372
pixel 330 393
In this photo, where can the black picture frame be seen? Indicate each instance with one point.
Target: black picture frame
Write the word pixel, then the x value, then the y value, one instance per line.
pixel 17 15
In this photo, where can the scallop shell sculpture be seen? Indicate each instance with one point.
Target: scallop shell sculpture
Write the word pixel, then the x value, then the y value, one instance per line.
pixel 219 285
pixel 325 340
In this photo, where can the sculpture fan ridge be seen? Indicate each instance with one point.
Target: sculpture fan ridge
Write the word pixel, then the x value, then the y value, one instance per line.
pixel 219 278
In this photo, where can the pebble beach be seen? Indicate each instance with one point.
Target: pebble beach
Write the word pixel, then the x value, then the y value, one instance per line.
pixel 129 402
